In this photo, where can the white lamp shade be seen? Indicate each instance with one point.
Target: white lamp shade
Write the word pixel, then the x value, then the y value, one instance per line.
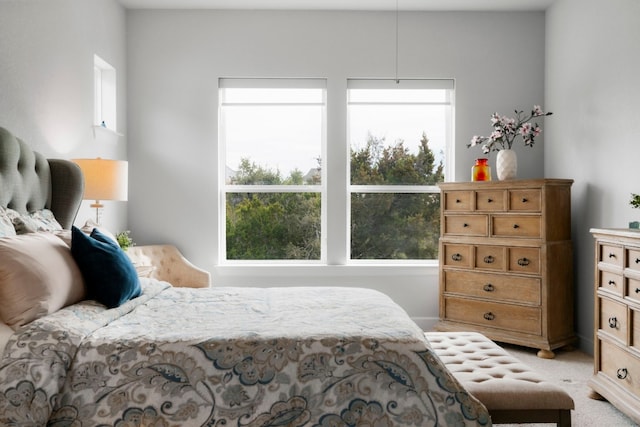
pixel 104 179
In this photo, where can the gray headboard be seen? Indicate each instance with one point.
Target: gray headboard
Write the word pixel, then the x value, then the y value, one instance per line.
pixel 29 181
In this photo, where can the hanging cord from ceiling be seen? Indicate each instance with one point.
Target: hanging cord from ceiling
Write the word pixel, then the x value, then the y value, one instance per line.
pixel 397 78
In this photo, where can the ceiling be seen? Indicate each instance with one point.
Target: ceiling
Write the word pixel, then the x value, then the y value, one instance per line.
pixel 406 5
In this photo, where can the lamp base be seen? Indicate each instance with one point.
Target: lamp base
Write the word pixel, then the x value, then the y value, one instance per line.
pixel 98 207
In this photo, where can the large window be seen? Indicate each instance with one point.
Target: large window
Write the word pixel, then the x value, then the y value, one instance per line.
pixel 398 135
pixel 272 134
pixel 275 192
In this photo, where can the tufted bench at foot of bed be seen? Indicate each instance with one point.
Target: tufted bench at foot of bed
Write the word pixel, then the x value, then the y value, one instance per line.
pixel 510 390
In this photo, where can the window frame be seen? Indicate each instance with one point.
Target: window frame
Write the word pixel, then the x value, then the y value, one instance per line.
pixel 267 83
pixel 336 187
pixel 382 84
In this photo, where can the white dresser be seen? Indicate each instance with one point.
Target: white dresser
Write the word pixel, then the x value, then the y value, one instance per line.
pixel 617 319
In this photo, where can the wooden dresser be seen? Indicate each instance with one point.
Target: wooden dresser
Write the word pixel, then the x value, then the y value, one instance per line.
pixel 506 261
pixel 617 319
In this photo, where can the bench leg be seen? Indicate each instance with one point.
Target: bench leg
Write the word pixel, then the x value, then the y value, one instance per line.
pixel 562 417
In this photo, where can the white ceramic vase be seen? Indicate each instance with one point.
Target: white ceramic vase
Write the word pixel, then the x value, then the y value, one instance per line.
pixel 506 165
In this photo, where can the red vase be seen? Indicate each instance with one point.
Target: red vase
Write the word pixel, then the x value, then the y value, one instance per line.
pixel 481 171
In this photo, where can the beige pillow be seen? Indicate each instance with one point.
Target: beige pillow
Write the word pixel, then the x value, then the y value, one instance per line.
pixel 38 276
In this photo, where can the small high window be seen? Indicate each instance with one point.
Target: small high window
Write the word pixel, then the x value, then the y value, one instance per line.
pixel 104 86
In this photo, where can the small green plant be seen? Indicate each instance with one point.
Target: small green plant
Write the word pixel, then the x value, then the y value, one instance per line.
pixel 635 200
pixel 124 240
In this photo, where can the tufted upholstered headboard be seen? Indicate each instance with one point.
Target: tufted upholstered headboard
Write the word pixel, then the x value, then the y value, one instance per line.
pixel 30 182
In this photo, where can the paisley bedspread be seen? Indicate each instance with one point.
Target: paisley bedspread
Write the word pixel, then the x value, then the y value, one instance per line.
pixel 317 357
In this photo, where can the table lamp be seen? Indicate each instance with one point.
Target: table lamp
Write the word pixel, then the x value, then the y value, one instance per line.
pixel 104 180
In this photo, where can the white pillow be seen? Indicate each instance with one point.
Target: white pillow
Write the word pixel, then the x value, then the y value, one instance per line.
pixel 38 276
pixel 41 220
pixel 6 225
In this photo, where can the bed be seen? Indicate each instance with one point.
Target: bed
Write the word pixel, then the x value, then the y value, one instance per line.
pixel 178 356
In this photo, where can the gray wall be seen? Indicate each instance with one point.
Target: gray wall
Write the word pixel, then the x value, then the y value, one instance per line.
pixel 46 80
pixel 593 88
pixel 174 61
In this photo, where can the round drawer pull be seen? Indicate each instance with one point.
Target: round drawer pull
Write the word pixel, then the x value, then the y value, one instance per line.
pixel 637 290
pixel 489 316
pixel 612 282
pixel 523 262
pixel 516 226
pixel 456 257
pixel 489 259
pixel 488 287
pixel 489 200
pixel 458 201
pixel 465 225
pixel 637 260
pixel 612 255
pixel 622 373
pixel 524 200
pixel 613 322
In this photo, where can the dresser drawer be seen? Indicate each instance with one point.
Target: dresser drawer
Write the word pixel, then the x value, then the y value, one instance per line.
pixel 490 200
pixel 635 329
pixel 495 287
pixel 524 260
pixel 633 259
pixel 613 319
pixel 466 225
pixel 496 315
pixel 525 200
pixel 611 282
pixel 622 367
pixel 458 255
pixel 610 254
pixel 458 201
pixel 490 257
pixel 516 226
pixel 633 290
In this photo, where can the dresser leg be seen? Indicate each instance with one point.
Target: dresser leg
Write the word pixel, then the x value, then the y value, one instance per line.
pixel 595 395
pixel 546 354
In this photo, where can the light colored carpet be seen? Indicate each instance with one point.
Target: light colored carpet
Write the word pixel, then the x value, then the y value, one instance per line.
pixel 571 370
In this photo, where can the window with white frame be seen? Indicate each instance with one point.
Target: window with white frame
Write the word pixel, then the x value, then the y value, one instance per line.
pixel 272 138
pixel 104 87
pixel 399 134
pixel 272 144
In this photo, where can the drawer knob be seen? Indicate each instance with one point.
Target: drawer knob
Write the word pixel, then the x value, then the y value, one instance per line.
pixel 488 287
pixel 613 322
pixel 456 257
pixel 525 200
pixel 489 200
pixel 489 259
pixel 465 225
pixel 489 316
pixel 457 200
pixel 612 282
pixel 612 255
pixel 637 290
pixel 516 226
pixel 523 262
pixel 622 373
pixel 637 260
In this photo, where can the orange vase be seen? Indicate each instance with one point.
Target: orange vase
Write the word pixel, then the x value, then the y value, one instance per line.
pixel 481 171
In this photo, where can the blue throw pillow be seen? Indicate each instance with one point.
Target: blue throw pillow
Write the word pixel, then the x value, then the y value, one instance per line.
pixel 109 275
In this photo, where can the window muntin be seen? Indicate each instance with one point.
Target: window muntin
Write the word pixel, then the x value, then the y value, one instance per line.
pixel 398 136
pixel 272 134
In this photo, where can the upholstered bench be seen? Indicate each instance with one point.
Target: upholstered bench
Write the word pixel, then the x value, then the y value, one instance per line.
pixel 510 390
pixel 165 262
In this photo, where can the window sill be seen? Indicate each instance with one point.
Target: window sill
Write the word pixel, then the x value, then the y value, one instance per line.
pixel 98 129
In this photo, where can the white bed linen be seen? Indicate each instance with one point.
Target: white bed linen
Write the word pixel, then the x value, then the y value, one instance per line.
pixel 5 334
